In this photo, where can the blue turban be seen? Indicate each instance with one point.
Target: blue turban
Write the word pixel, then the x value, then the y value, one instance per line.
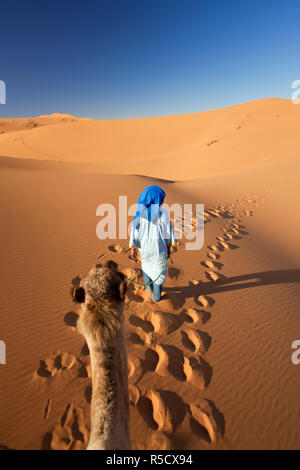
pixel 149 202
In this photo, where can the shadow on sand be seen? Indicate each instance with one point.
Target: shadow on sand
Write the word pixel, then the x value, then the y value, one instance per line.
pixel 267 278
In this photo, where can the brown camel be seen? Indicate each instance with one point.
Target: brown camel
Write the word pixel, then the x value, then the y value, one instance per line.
pixel 101 322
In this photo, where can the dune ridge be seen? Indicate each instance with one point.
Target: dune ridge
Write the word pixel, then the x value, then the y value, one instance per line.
pixel 214 142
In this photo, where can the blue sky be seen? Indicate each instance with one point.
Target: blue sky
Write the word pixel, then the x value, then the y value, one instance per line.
pixel 135 58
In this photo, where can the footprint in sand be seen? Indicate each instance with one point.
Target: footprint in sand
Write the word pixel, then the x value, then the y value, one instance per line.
pixel 48 408
pixel 192 315
pixel 140 338
pixel 170 361
pixel 206 421
pixel 131 368
pixel 130 273
pixel 171 301
pixel 164 360
pixel 116 248
pixel 228 236
pixel 162 410
pixel 234 230
pixel 150 361
pixel 213 248
pixel 205 301
pixel 135 260
pixel 134 294
pixel 85 368
pixel 233 236
pixel 134 394
pixel 197 371
pixel 88 394
pixel 65 361
pixel 223 245
pixel 85 350
pixel 212 264
pixel 145 325
pixel 240 228
pixel 70 433
pixel 212 276
pixel 248 213
pixel 215 213
pixel 243 232
pixel 226 246
pixel 195 341
pixel 134 274
pixel 100 257
pixel 54 363
pixel 164 323
pixel 213 255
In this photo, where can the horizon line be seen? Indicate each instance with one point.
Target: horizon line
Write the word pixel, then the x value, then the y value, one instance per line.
pixel 68 115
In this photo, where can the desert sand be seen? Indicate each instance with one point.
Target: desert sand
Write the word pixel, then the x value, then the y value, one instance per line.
pixel 210 364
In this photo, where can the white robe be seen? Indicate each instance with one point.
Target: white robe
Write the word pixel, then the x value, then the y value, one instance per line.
pixel 152 239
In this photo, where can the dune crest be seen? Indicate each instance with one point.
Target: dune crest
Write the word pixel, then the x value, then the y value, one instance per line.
pixel 158 146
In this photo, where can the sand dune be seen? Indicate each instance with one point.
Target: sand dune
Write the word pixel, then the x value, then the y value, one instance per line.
pixel 24 124
pixel 242 137
pixel 210 365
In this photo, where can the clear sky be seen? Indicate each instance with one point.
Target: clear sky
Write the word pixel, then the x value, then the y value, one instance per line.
pixel 111 59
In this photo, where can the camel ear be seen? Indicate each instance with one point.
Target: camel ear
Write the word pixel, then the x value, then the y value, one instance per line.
pixel 122 290
pixel 111 265
pixel 78 294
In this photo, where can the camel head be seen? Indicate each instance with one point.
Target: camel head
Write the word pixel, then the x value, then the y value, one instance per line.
pixel 101 294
